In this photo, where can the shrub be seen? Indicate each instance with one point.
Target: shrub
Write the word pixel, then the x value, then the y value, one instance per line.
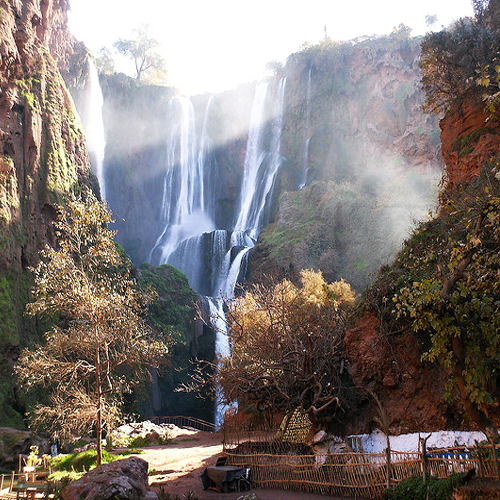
pixel 452 59
pixel 414 488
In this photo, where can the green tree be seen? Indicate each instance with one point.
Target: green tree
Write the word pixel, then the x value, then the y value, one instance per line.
pixel 150 65
pixel 101 344
pixel 275 66
pixel 287 348
pixel 105 62
pixel 458 306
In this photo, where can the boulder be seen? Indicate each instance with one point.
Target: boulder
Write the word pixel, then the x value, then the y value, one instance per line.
pixel 121 480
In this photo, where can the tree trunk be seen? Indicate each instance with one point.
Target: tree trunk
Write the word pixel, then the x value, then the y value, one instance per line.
pixel 472 410
pixel 99 406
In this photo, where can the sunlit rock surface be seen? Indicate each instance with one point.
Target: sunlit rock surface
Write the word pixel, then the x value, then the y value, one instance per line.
pixel 127 478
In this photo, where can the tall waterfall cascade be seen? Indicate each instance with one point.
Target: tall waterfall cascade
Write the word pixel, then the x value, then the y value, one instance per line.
pixel 214 258
pixel 94 125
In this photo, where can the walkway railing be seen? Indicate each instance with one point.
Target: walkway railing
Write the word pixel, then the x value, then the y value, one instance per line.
pixel 181 421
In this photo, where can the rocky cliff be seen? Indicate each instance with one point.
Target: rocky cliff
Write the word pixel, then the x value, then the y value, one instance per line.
pixel 384 355
pixel 366 159
pixel 359 162
pixel 470 137
pixel 42 155
pixel 139 122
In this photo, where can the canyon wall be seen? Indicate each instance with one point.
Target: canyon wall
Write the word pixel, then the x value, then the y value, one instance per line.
pixel 366 157
pixel 359 159
pixel 43 156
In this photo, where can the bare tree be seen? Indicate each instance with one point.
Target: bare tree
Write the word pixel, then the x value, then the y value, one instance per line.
pixel 287 348
pixel 101 343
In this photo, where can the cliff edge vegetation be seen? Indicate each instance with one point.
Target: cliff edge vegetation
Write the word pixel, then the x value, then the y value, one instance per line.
pixel 438 303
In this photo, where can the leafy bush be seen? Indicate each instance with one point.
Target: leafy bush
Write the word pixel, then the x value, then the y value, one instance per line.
pixel 131 451
pixel 414 488
pixel 144 441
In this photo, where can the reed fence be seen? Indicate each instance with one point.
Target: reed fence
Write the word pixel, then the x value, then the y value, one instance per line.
pixel 281 464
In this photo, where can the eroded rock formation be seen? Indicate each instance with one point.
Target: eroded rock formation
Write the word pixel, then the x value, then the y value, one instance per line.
pixel 355 136
pixel 470 136
pixel 409 389
pixel 43 155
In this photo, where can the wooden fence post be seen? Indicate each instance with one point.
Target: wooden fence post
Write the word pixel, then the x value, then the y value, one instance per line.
pixel 388 457
pixel 425 460
pixel 479 451
pixel 494 450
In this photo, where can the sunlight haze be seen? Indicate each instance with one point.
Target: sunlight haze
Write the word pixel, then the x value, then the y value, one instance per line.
pixel 216 45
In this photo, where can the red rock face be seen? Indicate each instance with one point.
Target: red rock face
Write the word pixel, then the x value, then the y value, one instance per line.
pixel 42 148
pixel 469 137
pixel 410 391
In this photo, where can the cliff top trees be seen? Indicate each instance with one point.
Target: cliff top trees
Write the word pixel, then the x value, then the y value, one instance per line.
pixel 452 60
pixel 287 348
pixel 101 344
pixel 150 65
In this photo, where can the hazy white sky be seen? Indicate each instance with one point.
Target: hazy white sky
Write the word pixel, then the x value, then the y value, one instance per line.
pixel 212 45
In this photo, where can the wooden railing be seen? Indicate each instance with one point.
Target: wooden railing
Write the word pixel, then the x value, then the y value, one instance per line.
pixel 19 485
pixel 181 421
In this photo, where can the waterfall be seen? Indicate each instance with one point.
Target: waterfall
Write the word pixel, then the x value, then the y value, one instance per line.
pixel 222 350
pixel 183 208
pixel 261 215
pixel 94 125
pixel 213 258
pixel 204 163
pixel 308 135
pixel 261 165
pixel 253 160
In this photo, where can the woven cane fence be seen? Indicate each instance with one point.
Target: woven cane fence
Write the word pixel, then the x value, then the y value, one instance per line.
pixel 290 465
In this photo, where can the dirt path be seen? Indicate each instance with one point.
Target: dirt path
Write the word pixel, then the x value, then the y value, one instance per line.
pixel 177 468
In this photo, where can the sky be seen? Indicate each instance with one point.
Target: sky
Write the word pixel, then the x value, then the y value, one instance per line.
pixel 214 45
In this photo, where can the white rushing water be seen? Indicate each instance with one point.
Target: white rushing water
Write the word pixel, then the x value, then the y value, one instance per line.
pixel 94 126
pixel 213 258
pixel 253 160
pixel 264 190
pixel 308 135
pixel 183 205
pixel 222 350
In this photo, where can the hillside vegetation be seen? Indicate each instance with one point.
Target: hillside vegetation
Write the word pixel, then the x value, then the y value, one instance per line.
pixel 444 284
